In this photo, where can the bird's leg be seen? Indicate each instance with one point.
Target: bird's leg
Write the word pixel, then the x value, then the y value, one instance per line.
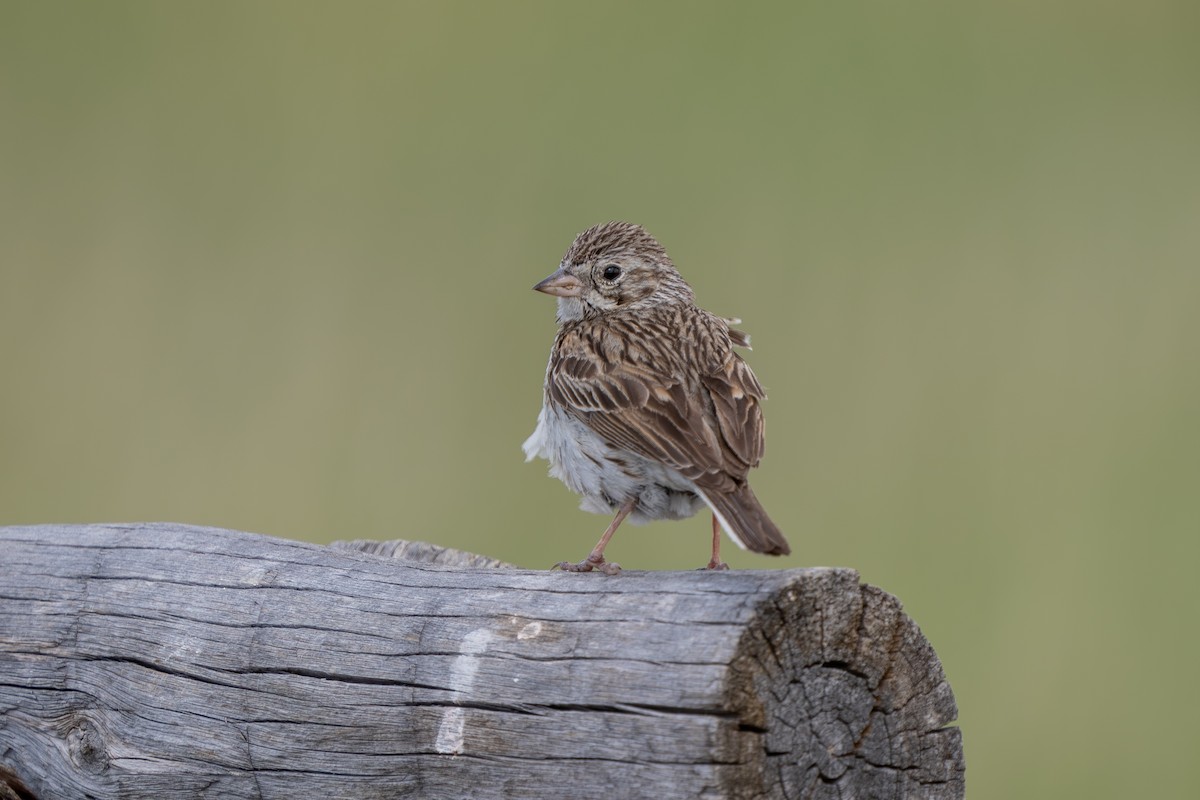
pixel 595 559
pixel 715 562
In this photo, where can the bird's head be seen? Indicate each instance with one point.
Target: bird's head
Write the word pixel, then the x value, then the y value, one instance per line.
pixel 614 267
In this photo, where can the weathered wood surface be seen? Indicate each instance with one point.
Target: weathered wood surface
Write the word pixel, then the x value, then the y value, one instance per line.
pixel 171 661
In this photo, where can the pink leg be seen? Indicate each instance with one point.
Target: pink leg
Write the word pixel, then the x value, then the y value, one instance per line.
pixel 595 559
pixel 715 562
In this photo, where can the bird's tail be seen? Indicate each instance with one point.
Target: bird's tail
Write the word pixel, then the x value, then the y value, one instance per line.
pixel 746 522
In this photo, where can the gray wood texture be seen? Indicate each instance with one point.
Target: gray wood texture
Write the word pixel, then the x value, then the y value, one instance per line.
pixel 174 661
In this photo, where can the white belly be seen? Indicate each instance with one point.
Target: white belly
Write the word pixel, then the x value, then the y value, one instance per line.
pixel 607 477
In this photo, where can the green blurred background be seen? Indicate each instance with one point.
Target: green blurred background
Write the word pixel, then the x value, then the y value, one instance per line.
pixel 267 266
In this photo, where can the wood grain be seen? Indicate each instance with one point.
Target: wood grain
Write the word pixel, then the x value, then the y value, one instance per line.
pixel 174 661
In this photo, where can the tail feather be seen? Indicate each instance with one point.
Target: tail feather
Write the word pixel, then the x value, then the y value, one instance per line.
pixel 746 522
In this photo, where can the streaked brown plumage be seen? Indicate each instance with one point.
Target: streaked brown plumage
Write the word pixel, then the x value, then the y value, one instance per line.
pixel 648 412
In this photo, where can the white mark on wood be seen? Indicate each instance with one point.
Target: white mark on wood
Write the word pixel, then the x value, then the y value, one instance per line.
pixel 254 576
pixel 530 631
pixel 450 731
pixel 462 678
pixel 178 651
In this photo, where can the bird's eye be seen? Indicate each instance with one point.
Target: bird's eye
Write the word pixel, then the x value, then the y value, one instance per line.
pixel 612 272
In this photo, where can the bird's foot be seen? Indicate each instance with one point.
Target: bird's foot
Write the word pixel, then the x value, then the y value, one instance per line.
pixel 590 563
pixel 716 566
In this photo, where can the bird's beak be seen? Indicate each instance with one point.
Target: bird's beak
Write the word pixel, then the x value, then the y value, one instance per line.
pixel 560 284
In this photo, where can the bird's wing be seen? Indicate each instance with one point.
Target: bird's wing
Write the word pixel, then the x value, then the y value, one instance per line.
pixel 737 402
pixel 708 426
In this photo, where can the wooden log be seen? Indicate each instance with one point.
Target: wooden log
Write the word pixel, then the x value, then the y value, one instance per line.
pixel 174 661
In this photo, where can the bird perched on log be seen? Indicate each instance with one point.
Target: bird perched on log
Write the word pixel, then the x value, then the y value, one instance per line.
pixel 647 411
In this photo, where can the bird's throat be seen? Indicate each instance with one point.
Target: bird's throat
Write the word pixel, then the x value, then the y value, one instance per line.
pixel 570 309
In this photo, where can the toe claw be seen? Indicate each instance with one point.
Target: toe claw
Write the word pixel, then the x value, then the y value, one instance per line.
pixel 567 566
pixel 587 565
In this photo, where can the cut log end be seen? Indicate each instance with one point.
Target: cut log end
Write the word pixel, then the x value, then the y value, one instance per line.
pixel 838 694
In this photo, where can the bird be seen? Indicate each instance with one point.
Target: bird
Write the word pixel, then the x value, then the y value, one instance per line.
pixel 647 411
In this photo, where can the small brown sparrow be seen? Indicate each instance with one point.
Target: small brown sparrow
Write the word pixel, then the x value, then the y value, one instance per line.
pixel 647 410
